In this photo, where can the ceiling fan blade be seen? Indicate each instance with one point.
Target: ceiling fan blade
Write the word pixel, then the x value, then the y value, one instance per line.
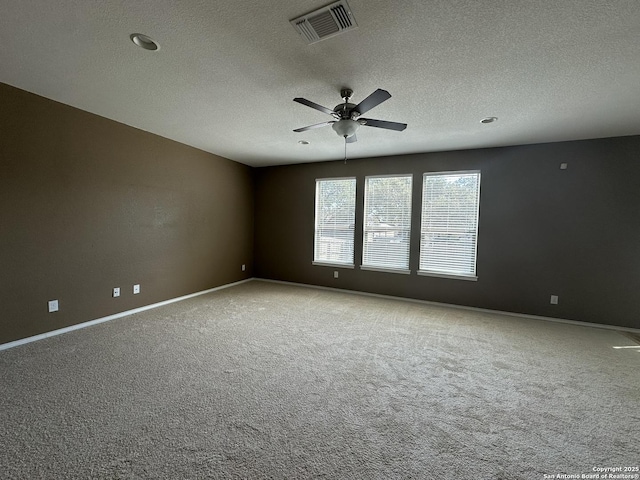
pixel 373 100
pixel 311 104
pixel 370 122
pixel 352 139
pixel 310 127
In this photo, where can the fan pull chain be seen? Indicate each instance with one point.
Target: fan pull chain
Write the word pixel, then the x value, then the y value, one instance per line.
pixel 345 149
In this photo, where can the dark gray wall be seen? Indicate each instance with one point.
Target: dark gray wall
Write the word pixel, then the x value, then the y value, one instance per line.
pixel 88 204
pixel 573 233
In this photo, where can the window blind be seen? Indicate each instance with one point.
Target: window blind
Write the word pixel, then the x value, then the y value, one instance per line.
pixel 449 227
pixel 387 222
pixel 335 220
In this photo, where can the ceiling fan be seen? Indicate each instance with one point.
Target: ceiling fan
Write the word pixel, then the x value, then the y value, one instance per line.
pixel 347 115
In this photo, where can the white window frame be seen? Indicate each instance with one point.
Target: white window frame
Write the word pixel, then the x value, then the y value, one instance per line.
pixel 365 231
pixel 451 274
pixel 329 263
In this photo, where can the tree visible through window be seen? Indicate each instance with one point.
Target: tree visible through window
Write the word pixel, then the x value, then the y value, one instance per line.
pixel 449 227
pixel 387 222
pixel 335 220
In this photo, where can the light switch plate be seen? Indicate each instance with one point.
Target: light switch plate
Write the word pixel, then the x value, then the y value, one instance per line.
pixel 53 306
pixel 136 289
pixel 116 292
pixel 554 299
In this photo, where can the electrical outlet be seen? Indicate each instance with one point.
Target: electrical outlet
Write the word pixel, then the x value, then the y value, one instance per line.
pixel 335 274
pixel 554 299
pixel 136 289
pixel 116 292
pixel 53 306
pixel 563 166
pixel 244 267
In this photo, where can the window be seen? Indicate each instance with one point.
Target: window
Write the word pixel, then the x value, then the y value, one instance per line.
pixel 387 223
pixel 449 229
pixel 335 219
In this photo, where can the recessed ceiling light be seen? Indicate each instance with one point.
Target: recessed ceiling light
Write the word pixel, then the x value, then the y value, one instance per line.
pixel 144 42
pixel 489 120
pixel 303 142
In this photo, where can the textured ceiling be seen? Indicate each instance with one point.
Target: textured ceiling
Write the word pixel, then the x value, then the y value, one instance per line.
pixel 225 76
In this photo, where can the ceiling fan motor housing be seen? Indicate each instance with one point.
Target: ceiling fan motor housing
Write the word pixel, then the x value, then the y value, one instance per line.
pixel 345 110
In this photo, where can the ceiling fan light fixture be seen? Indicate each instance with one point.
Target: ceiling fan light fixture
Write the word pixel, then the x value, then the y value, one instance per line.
pixel 144 42
pixel 346 127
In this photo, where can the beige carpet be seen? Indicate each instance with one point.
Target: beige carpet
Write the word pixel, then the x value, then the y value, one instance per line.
pixel 273 381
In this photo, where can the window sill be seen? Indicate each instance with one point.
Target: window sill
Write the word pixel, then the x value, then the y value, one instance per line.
pixel 385 270
pixel 471 278
pixel 329 264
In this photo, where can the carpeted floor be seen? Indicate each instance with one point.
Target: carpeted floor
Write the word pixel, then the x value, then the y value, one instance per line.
pixel 265 380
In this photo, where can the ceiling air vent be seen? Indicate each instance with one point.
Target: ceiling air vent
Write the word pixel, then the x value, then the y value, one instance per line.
pixel 326 22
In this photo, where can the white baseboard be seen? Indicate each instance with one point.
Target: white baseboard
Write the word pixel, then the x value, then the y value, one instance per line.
pixel 90 323
pixel 460 307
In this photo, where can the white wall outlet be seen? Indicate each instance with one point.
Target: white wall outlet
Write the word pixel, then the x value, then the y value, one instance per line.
pixel 53 306
pixel 554 299
pixel 244 267
pixel 563 166
pixel 116 292
pixel 136 289
pixel 335 274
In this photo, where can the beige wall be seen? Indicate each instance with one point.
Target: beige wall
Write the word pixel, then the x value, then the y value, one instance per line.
pixel 542 231
pixel 88 204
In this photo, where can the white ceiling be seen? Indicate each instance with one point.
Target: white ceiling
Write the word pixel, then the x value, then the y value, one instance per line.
pixel 227 71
